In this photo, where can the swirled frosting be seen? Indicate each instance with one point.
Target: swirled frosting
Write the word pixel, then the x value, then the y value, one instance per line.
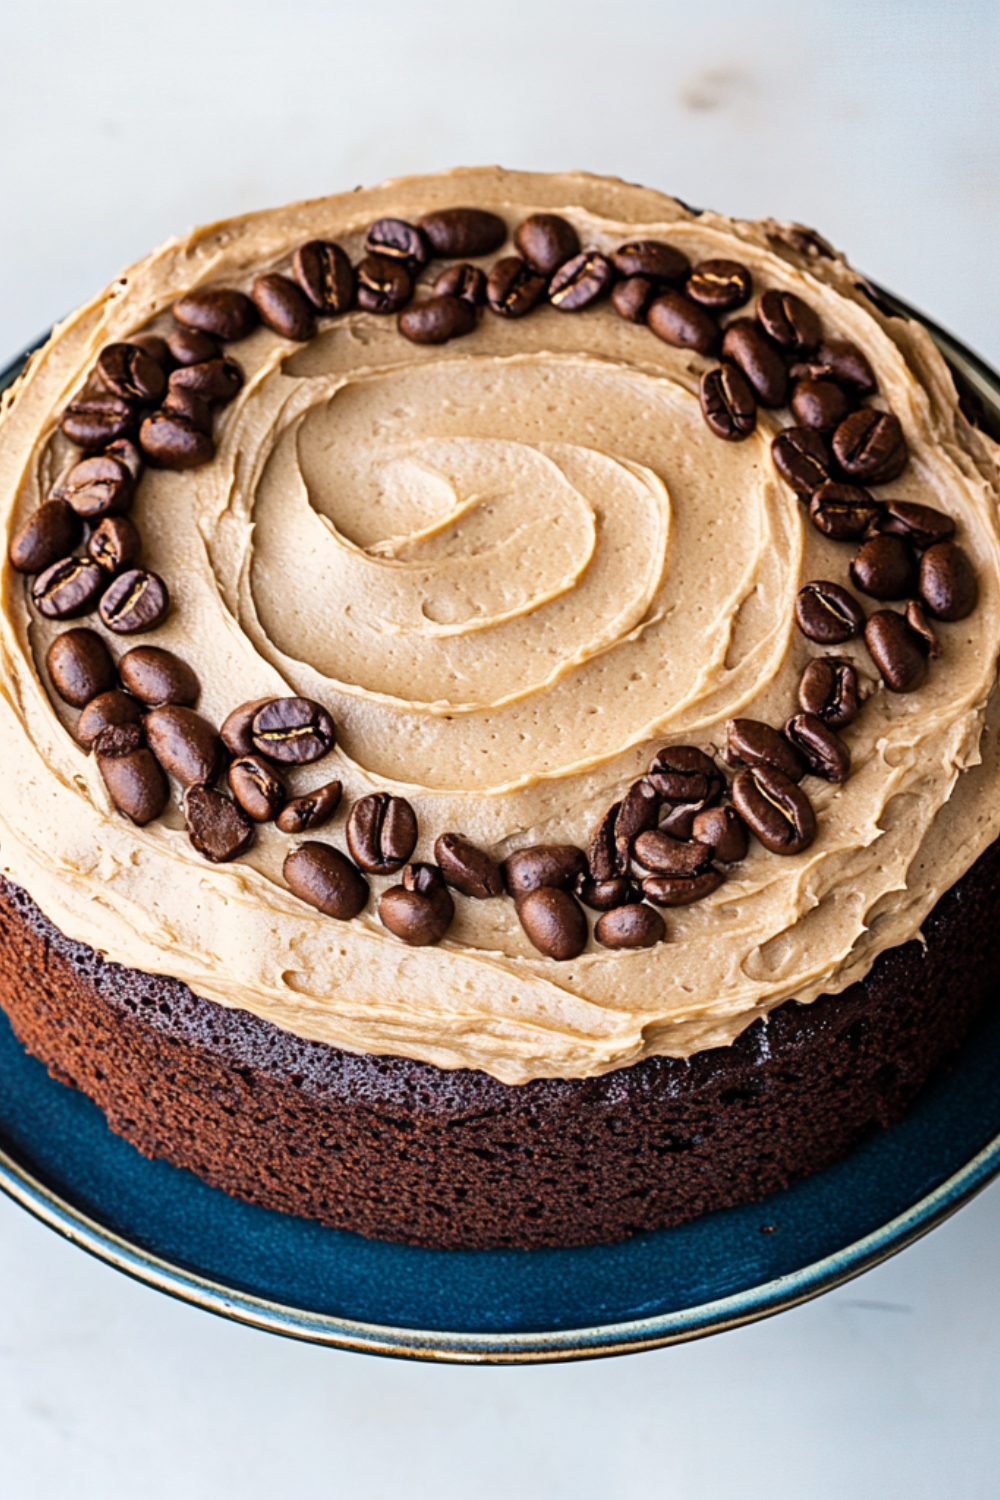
pixel 512 568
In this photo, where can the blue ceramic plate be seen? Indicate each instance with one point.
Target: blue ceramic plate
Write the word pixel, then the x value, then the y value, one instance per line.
pixel 162 1225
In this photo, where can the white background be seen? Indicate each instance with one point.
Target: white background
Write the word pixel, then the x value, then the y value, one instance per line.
pixel 123 123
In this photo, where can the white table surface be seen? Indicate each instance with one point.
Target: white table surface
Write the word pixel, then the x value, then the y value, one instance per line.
pixel 122 123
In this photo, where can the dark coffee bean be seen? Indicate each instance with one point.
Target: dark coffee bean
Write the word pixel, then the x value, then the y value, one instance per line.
pixel 158 677
pixel 383 285
pixel 224 314
pixel 631 298
pixel 774 809
pixel 324 272
pixel 382 832
pixel 604 895
pixel 839 361
pixel 462 280
pixel 746 344
pixel 214 380
pixel 789 322
pixel 823 751
pixel 677 320
pixel 843 511
pixel 581 281
pixel 172 442
pixel 237 730
pixel 295 731
pixel 749 742
pixel 898 651
pixel 683 774
pixel 129 372
pixel 719 285
pixel 556 865
pixel 325 878
pixel 80 666
pixel 678 819
pixel 634 926
pixel 92 422
pixel 802 459
pixel 827 613
pixel 217 828
pixel 610 849
pixel 659 854
pixel 125 452
pixel 919 624
pixel 109 710
pixel 869 445
pixel 396 240
pixel 100 486
pixel 727 403
pixel 468 869
pixel 883 568
pixel 311 810
pixel 819 404
pixel 257 787
pixel 156 347
pixel 136 601
pixel 724 831
pixel 49 533
pixel 553 922
pixel 651 258
pixel 135 783
pixel 420 910
pixel 68 588
pixel 115 544
pixel 803 240
pixel 438 320
pixel 681 890
pixel 830 689
pixel 919 524
pixel 185 744
pixel 284 307
pixel 456 232
pixel 188 408
pixel 189 347
pixel 513 288
pixel 546 241
pixel 948 584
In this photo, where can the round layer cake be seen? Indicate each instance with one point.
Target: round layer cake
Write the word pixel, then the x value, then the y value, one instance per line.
pixel 599 603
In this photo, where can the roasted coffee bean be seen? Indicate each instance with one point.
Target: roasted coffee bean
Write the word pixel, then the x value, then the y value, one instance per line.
pixel 553 922
pixel 789 322
pixel 136 601
pixel 631 298
pixel 803 240
pixel 295 731
pixel 543 865
pixel 898 651
pixel 129 372
pixel 49 533
pixel 724 831
pixel 659 854
pixel 324 272
pixel 830 690
pixel 214 380
pixel 883 568
pixel 382 832
pixel 749 742
pixel 92 422
pixel 257 787
pixel 727 403
pixel 802 459
pixel 80 666
pixel 156 347
pixel 185 744
pixel 610 847
pixel 819 404
pixel 677 320
pixel 68 588
pixel 438 320
pixel 284 307
pixel 158 677
pixel 774 809
pixel 421 909
pixel 839 361
pixel 827 613
pixel 918 623
pixel 115 544
pixel 468 869
pixel 948 584
pixel 170 441
pixel 189 347
pixel 109 710
pixel 311 810
pixel 681 890
pixel 188 408
pixel 396 240
pixel 237 730
pixel 224 314
pixel 719 285
pixel 100 486
pixel 633 926
pixel 456 232
pixel 325 878
pixel 843 511
pixel 581 281
pixel 604 895
pixel 125 452
pixel 869 445
pixel 135 783
pixel 383 285
pixel 513 288
pixel 919 524
pixel 217 828
pixel 653 259
pixel 462 280
pixel 745 344
pixel 823 751
pixel 678 819
pixel 683 774
pixel 546 241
